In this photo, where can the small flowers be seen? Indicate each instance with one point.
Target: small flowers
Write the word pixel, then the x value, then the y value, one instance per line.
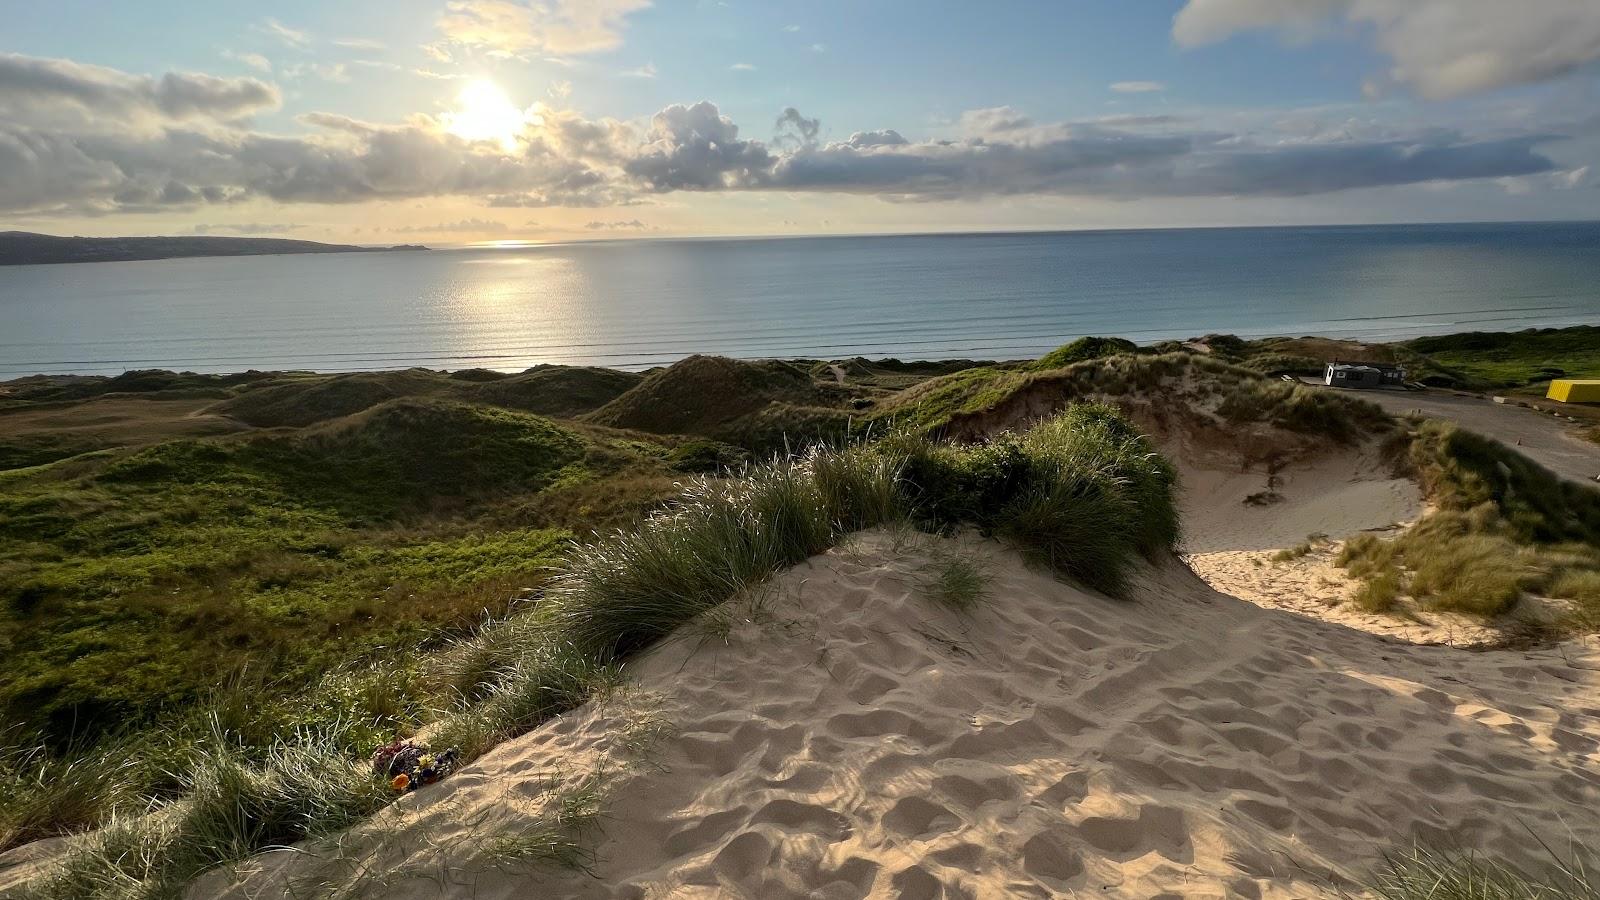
pixel 400 782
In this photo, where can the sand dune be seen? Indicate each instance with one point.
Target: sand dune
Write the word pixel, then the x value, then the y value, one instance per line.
pixel 851 738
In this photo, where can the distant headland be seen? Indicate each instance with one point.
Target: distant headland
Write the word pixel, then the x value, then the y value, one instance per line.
pixel 21 248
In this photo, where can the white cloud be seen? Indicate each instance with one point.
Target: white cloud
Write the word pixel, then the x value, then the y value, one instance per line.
pixel 791 28
pixel 360 44
pixel 253 60
pixel 544 26
pixel 294 37
pixel 1439 48
pixel 743 67
pixel 1137 87
pixel 648 70
pixel 335 72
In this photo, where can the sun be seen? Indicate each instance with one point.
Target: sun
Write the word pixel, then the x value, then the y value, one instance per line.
pixel 484 113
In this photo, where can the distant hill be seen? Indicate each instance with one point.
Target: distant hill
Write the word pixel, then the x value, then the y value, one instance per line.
pixel 21 248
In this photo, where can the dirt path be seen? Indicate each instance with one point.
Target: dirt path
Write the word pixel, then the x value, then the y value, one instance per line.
pixel 1550 441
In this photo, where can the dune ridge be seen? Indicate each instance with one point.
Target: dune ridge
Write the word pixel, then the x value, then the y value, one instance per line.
pixel 848 737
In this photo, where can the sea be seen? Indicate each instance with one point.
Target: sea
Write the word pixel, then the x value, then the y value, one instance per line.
pixel 638 304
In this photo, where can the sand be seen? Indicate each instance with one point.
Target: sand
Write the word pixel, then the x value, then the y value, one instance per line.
pixel 851 738
pixel 1323 500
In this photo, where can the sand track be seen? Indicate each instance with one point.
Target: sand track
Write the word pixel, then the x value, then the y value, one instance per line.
pixel 856 740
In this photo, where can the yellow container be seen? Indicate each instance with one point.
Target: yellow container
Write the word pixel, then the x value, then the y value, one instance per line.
pixel 1573 390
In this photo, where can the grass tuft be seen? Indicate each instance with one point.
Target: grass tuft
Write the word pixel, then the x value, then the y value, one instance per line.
pixel 958 582
pixel 1425 874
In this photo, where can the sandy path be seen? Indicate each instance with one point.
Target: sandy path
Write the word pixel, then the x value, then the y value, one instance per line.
pixel 857 740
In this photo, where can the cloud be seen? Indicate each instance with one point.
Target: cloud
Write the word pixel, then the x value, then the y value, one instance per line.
pixel 360 44
pixel 794 131
pixel 1137 87
pixel 546 26
pixel 294 37
pixel 743 67
pixel 253 60
pixel 335 72
pixel 465 226
pixel 246 228
pixel 630 225
pixel 1439 48
pixel 696 148
pixel 886 138
pixel 88 140
pixel 60 88
pixel 993 120
pixel 648 70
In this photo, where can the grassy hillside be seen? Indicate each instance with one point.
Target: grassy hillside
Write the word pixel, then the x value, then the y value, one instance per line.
pixel 132 581
pixel 1516 358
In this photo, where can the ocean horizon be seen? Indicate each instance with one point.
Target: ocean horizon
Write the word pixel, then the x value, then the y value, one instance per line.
pixel 640 303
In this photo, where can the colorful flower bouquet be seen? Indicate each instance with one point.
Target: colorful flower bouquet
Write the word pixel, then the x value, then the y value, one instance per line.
pixel 408 765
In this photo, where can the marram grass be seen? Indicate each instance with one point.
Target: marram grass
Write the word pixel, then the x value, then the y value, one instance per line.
pixel 1084 494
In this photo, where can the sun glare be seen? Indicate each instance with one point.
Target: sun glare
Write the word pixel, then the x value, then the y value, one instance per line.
pixel 484 113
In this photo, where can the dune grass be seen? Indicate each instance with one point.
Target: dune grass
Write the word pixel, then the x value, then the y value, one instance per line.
pixel 1427 874
pixel 1504 527
pixel 1084 494
pixel 956 581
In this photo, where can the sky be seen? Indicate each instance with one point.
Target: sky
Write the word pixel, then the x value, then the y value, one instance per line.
pixel 457 121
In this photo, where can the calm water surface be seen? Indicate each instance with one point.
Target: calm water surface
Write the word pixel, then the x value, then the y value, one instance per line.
pixel 644 303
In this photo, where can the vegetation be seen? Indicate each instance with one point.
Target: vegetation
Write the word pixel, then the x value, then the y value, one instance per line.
pixel 1426 874
pixel 1084 493
pixel 352 557
pixel 1504 527
pixel 1509 359
pixel 957 582
pixel 1081 350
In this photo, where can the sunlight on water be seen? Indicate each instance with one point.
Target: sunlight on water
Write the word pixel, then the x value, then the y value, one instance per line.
pixel 642 303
